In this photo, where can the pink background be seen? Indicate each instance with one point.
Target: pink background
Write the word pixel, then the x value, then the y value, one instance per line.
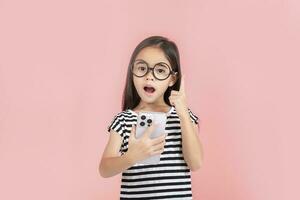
pixel 62 72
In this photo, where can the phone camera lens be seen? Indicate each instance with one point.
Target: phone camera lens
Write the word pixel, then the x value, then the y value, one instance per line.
pixel 143 117
pixel 149 121
pixel 142 123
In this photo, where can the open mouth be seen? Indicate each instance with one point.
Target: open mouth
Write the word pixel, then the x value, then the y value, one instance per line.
pixel 149 89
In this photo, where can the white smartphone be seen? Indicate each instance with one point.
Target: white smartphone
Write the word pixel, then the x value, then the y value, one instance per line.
pixel 145 119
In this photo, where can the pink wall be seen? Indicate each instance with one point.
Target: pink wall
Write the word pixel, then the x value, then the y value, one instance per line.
pixel 62 71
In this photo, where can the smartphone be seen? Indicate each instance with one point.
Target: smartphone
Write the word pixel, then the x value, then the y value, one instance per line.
pixel 145 119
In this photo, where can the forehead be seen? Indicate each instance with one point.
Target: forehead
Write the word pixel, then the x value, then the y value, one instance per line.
pixel 152 55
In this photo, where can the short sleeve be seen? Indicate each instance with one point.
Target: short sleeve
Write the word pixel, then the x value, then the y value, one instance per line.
pixel 194 118
pixel 117 124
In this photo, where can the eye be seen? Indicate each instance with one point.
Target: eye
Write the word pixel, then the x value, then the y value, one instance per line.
pixel 161 71
pixel 141 68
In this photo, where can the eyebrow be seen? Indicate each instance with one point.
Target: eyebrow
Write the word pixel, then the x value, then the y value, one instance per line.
pixel 141 61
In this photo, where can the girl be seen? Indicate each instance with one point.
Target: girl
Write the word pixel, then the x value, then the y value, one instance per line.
pixel 154 83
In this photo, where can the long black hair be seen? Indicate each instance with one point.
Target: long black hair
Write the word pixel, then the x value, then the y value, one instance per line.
pixel 130 97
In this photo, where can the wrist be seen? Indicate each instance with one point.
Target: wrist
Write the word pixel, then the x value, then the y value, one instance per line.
pixel 184 116
pixel 130 158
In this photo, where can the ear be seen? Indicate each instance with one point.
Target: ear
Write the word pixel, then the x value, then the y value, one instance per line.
pixel 173 80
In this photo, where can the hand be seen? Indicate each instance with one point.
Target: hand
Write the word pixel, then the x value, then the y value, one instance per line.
pixel 140 149
pixel 178 99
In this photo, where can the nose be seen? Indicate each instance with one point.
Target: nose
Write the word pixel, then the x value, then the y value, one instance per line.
pixel 149 75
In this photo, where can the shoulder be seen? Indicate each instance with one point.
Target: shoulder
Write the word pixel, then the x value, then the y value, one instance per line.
pixel 122 115
pixel 119 121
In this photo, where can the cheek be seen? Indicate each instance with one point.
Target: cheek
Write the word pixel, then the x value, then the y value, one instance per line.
pixel 163 87
pixel 137 83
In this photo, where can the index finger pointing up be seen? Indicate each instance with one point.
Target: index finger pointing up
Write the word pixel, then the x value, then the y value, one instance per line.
pixel 182 86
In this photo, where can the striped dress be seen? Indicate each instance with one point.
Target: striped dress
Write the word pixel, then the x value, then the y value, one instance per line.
pixel 171 177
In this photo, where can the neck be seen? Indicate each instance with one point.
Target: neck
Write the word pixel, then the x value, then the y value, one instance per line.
pixel 155 106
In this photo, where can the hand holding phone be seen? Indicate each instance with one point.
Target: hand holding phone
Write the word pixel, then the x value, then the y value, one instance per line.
pixel 149 140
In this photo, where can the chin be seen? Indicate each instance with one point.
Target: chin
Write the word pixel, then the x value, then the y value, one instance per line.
pixel 149 100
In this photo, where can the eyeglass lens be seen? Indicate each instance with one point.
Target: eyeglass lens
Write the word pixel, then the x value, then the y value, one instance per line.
pixel 160 71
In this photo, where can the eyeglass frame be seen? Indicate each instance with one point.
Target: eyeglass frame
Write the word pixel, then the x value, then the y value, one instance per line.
pixel 152 69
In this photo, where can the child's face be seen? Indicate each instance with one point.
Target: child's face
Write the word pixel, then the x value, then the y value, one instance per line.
pixel 150 89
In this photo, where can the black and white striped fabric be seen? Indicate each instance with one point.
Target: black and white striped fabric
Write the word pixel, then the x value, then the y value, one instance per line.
pixel 171 177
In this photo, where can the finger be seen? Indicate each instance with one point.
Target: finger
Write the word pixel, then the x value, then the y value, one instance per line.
pixel 171 102
pixel 132 132
pixel 157 152
pixel 174 92
pixel 159 139
pixel 182 84
pixel 158 147
pixel 172 99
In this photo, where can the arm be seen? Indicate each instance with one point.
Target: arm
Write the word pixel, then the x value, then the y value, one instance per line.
pixel 191 146
pixel 111 163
